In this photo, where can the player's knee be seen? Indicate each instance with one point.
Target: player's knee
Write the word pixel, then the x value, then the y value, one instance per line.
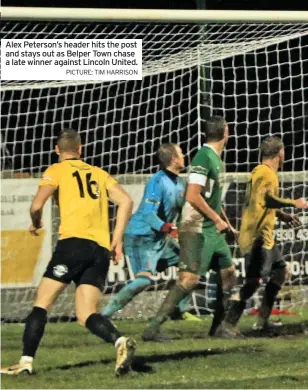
pixel 279 276
pixel 188 280
pixel 272 289
pixel 188 284
pixel 145 275
pixel 228 277
pixel 139 284
pixel 47 292
pixel 228 273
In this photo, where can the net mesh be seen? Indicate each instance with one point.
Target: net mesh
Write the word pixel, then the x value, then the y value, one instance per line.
pixel 253 74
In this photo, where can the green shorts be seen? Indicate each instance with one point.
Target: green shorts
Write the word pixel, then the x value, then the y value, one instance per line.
pixel 200 252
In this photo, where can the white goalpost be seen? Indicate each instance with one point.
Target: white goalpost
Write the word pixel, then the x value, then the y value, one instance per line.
pixel 250 66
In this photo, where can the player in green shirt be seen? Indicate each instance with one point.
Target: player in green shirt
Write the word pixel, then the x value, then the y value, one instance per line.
pixel 201 232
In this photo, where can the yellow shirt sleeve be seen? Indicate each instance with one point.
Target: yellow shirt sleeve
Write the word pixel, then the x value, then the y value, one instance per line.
pixel 268 187
pixel 269 181
pixel 110 181
pixel 50 177
pixel 264 182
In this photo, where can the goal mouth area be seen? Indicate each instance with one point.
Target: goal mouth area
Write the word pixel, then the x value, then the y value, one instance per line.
pixel 249 67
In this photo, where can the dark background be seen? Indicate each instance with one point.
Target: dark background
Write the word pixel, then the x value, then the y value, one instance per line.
pixel 122 124
pixel 164 4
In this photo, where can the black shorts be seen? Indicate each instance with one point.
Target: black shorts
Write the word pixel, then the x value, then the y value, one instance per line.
pixel 79 260
pixel 260 262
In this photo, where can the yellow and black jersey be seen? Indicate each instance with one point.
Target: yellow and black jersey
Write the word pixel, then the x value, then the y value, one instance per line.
pixel 261 202
pixel 82 197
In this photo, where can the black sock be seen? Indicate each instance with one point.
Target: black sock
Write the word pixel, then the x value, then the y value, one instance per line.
pixel 219 311
pixel 248 290
pixel 237 308
pixel 270 293
pixel 235 312
pixel 222 304
pixel 226 298
pixel 102 327
pixel 34 330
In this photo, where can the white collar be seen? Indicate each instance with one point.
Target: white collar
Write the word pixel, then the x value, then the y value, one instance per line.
pixel 210 146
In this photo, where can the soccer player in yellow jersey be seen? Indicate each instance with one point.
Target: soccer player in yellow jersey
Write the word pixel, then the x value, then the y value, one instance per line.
pixel 82 254
pixel 263 260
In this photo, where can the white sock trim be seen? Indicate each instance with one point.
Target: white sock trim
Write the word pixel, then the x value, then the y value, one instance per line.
pixel 119 341
pixel 26 359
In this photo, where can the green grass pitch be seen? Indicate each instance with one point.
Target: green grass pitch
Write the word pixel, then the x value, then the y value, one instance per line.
pixel 71 358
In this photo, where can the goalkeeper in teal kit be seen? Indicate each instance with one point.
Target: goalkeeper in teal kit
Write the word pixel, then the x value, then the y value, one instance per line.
pixel 149 237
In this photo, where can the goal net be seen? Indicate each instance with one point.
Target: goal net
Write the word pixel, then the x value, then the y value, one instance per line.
pixel 255 74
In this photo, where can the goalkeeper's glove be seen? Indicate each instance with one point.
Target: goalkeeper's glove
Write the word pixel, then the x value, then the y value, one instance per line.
pixel 169 228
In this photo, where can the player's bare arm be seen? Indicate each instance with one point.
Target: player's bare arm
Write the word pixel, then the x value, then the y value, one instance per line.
pixel 36 209
pixel 290 220
pixel 272 201
pixel 119 196
pixel 235 233
pixel 194 197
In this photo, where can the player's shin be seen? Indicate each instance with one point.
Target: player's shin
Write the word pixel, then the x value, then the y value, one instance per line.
pixel 183 304
pixel 271 290
pixel 237 307
pixel 235 312
pixel 102 327
pixel 227 280
pixel 34 330
pixel 175 295
pixel 219 311
pixel 126 294
pixel 222 305
pixel 270 293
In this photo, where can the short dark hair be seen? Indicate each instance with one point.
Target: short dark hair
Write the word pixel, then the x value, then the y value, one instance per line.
pixel 165 154
pixel 215 128
pixel 271 147
pixel 68 140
